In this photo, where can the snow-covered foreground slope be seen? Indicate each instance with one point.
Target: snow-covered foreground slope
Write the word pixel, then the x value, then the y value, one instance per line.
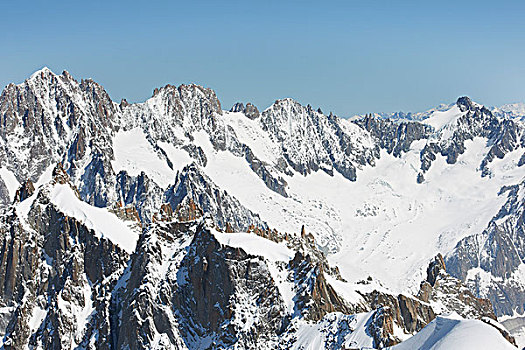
pixel 455 333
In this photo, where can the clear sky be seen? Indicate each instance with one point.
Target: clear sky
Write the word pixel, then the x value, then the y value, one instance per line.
pixel 345 56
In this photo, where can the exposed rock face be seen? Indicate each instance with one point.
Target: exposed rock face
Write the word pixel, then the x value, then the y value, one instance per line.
pixel 408 313
pixel 42 111
pixel 324 142
pixel 448 294
pixel 140 192
pixel 381 328
pixel 489 261
pixel 250 110
pixel 436 269
pixel 396 137
pixel 26 190
pixel 277 184
pixel 5 199
pixel 201 292
pixel 53 275
pixel 189 107
pixel 193 184
pixel 476 121
pixel 316 297
pixel 51 118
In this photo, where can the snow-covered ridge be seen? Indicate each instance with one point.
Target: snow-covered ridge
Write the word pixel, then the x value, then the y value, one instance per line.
pixel 455 333
pixel 103 223
pixel 255 245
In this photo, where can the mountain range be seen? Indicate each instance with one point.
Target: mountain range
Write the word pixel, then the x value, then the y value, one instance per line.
pixel 178 224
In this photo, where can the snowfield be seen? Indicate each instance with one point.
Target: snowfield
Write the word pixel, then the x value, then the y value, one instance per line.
pixel 384 224
pixel 134 154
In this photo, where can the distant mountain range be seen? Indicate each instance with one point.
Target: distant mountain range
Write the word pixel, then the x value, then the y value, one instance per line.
pixel 510 110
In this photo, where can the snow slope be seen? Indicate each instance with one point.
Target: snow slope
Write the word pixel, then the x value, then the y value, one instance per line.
pixel 384 224
pixel 104 223
pixel 336 329
pixel 134 154
pixel 10 181
pixel 440 119
pixel 255 245
pixel 455 333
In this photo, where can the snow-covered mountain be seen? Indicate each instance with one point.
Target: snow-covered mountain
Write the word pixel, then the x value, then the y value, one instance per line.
pixel 174 223
pixel 510 110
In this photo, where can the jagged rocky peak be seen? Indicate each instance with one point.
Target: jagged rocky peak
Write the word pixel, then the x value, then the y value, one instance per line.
pixel 484 122
pixel 174 113
pixel 448 294
pixel 189 93
pixel 123 103
pixel 395 136
pixel 47 76
pixel 42 74
pixel 250 110
pixel 435 268
pixel 465 104
pixel 237 107
pixel 194 189
pixel 311 141
pixel 50 113
pixel 59 175
pixel 315 297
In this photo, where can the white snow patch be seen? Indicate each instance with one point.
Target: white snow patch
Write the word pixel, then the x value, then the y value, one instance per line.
pixel 250 132
pixel 255 245
pixel 438 120
pixel 360 337
pixel 134 154
pixel 178 157
pixel 336 330
pixel 37 316
pixel 10 182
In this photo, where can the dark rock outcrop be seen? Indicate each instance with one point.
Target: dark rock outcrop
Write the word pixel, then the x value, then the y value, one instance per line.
pixel 450 293
pixel 250 110
pixel 25 191
pixel 191 182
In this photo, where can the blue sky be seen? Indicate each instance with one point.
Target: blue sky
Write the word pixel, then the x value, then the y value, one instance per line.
pixel 344 56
